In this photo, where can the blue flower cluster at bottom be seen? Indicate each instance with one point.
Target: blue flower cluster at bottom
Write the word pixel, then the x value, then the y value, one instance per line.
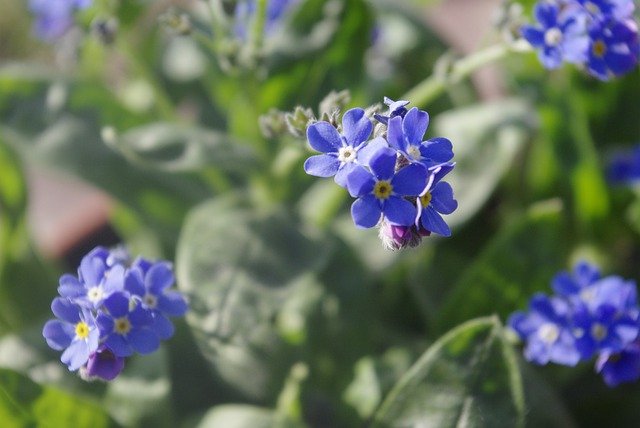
pixel 112 309
pixel 588 316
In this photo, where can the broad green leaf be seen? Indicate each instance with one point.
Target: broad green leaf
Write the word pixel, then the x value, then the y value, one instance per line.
pixel 244 416
pixel 486 138
pixel 520 260
pixel 240 267
pixel 468 378
pixel 173 147
pixel 24 403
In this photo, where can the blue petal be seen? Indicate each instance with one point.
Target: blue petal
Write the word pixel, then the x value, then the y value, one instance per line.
pixel 172 303
pixel 546 14
pixel 92 267
pixel 161 326
pixel 140 317
pixel 133 282
pixel 356 127
pixel 442 198
pixel 576 49
pixel 598 68
pixel 323 137
pixel 117 304
pixel 76 355
pixel 533 35
pixel 159 277
pixel 105 324
pixel 437 150
pixel 395 136
pixel 366 211
pixel 322 165
pixel 114 280
pixel 368 150
pixel 620 63
pixel 343 173
pixel 143 340
pixel 399 211
pixel 414 125
pixel 360 182
pixel 118 345
pixel 58 334
pixel 70 286
pixel 410 180
pixel 64 309
pixel 383 164
pixel 564 285
pixel 550 57
pixel 433 222
pixel 440 171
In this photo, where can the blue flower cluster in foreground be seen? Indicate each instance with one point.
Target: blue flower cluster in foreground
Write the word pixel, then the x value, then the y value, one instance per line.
pixel 599 35
pixel 245 11
pixel 589 315
pixel 54 17
pixel 111 310
pixel 395 177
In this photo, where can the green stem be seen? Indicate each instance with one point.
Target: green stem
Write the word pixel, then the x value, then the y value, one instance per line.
pixel 433 86
pixel 257 30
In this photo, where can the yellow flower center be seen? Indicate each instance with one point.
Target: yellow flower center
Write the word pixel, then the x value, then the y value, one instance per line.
pixel 425 199
pixel 598 331
pixel 599 48
pixel 82 330
pixel 122 325
pixel 382 189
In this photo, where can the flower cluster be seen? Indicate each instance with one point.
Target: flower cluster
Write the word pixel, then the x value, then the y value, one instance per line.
pixel 111 310
pixel 245 11
pixel 396 177
pixel 599 35
pixel 54 17
pixel 589 315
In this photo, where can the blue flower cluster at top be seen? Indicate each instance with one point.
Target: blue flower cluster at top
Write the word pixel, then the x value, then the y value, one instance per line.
pixel 245 10
pixel 54 17
pixel 599 35
pixel 624 168
pixel 589 315
pixel 111 310
pixel 395 177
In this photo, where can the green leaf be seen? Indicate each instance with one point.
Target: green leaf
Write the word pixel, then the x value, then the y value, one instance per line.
pixel 240 267
pixel 486 138
pixel 520 260
pixel 468 378
pixel 173 147
pixel 24 403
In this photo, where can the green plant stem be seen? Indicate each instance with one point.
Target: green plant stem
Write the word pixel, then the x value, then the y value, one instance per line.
pixel 436 84
pixel 257 29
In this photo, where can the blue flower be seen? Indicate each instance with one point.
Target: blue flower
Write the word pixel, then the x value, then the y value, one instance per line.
pixel 381 191
pixel 624 168
pixel 405 135
pixel 559 35
pixel 545 330
pixel 54 17
pixel 620 367
pixel 613 48
pixel 149 283
pixel 102 364
pixel 96 279
pixel 75 331
pixel 340 156
pixel 436 199
pixel 125 326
